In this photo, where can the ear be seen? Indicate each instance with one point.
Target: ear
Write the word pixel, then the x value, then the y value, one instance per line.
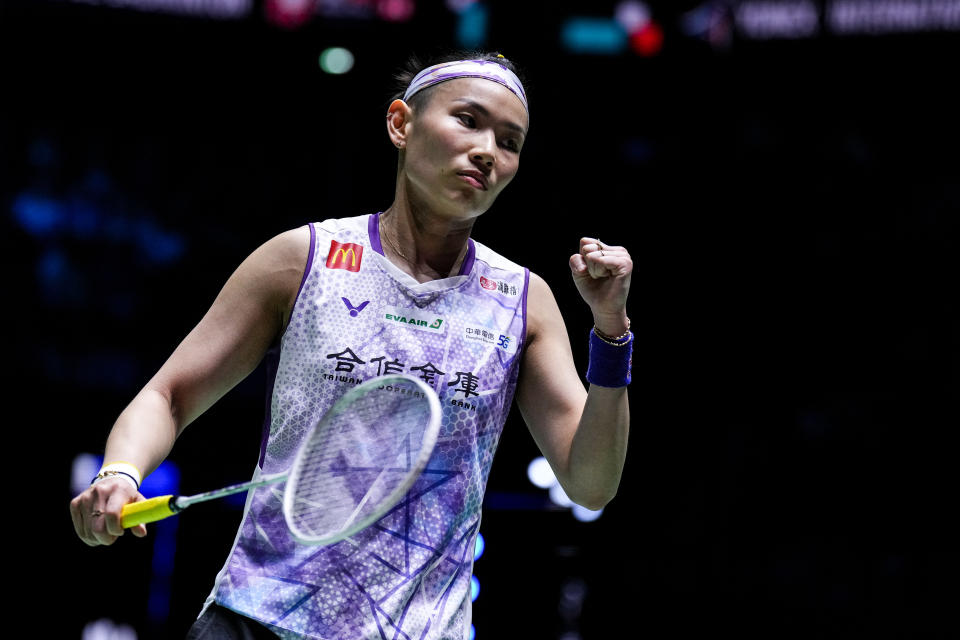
pixel 399 123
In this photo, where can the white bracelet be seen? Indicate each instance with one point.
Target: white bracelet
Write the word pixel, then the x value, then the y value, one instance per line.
pixel 123 470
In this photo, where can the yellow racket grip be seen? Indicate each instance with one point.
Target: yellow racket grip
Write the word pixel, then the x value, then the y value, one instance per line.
pixel 145 511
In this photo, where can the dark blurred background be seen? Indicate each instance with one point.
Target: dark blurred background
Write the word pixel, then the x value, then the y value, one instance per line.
pixel 785 175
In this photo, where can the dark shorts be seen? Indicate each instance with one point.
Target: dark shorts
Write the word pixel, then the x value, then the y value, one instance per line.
pixel 220 623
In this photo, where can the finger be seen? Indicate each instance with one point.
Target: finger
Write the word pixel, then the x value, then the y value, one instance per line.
pixel 102 496
pixel 595 265
pixel 114 514
pixel 588 248
pixel 79 507
pixel 577 264
pixel 98 528
pixel 76 517
pixel 601 264
pixel 91 520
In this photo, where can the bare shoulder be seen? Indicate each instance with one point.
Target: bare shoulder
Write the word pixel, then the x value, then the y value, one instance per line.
pixel 273 272
pixel 290 248
pixel 543 313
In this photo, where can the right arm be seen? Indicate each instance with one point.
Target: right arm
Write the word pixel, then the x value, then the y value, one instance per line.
pixel 251 310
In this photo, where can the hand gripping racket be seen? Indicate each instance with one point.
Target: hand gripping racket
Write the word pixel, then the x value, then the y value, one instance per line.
pixel 353 466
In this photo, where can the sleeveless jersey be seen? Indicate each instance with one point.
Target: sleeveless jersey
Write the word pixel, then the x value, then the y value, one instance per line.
pixel 357 316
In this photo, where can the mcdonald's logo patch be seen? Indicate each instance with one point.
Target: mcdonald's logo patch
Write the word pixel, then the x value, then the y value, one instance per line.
pixel 344 255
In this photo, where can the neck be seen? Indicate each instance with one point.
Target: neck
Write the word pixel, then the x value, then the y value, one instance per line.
pixel 425 245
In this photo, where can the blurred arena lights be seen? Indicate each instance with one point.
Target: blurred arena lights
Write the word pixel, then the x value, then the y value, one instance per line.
pixel 541 475
pixel 647 41
pixel 790 20
pixel 874 17
pixel 336 60
pixel 559 496
pixel 85 467
pixel 106 629
pixel 631 27
pixel 289 14
pixel 585 515
pixel 478 547
pixel 716 21
pixel 711 22
pixel 632 15
pixel 646 35
pixel 593 36
pixel 459 6
pixel 471 29
pixel 396 10
pixel 216 9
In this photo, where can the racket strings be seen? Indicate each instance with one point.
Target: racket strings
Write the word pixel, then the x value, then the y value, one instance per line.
pixel 361 455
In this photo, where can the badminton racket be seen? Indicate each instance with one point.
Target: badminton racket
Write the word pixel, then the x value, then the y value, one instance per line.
pixel 353 466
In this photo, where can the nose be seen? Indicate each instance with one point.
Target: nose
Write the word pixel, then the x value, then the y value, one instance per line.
pixel 484 152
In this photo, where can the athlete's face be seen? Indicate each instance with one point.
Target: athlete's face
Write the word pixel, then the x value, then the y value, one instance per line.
pixel 463 146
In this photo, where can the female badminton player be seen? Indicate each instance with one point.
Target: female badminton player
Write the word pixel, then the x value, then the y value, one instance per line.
pixel 405 290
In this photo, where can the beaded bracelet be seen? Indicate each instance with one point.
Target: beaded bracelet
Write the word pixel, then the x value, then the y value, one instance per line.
pixel 619 340
pixel 124 470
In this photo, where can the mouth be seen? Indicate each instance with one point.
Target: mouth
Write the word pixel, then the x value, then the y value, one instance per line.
pixel 474 178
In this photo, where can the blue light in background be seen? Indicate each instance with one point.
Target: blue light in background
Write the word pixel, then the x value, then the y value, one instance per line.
pixel 38 214
pixel 91 212
pixel 478 547
pixel 474 588
pixel 472 26
pixel 594 35
pixel 161 247
pixel 163 481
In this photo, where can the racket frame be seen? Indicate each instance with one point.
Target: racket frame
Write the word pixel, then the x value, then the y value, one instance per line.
pixel 418 462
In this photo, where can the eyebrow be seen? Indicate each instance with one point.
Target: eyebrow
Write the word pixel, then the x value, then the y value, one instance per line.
pixel 486 113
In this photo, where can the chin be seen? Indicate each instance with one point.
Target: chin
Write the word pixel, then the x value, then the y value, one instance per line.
pixel 466 208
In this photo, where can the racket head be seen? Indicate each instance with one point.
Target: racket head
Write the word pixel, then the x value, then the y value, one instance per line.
pixel 361 458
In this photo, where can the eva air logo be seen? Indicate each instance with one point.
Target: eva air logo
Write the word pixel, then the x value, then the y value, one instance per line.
pixel 414 319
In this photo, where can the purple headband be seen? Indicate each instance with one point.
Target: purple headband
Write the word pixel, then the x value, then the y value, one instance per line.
pixel 486 69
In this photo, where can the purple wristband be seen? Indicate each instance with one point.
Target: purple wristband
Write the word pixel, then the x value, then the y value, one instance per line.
pixel 610 364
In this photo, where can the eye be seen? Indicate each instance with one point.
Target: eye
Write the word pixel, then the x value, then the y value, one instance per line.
pixel 511 144
pixel 467 119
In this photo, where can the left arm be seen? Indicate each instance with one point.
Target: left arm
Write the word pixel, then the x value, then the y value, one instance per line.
pixel 583 434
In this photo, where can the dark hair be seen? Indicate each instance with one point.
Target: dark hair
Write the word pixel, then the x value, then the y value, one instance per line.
pixel 415 65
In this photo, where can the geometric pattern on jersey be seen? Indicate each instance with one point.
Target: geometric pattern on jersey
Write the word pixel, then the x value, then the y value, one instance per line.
pixel 357 316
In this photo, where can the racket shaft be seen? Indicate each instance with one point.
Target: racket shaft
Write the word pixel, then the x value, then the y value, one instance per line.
pixel 145 511
pixel 162 507
pixel 185 501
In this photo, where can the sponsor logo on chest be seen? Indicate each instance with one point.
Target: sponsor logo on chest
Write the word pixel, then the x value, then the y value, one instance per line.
pixel 491 338
pixel 345 255
pixel 415 319
pixel 499 286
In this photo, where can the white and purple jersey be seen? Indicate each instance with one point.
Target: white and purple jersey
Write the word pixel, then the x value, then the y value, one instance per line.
pixel 357 316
